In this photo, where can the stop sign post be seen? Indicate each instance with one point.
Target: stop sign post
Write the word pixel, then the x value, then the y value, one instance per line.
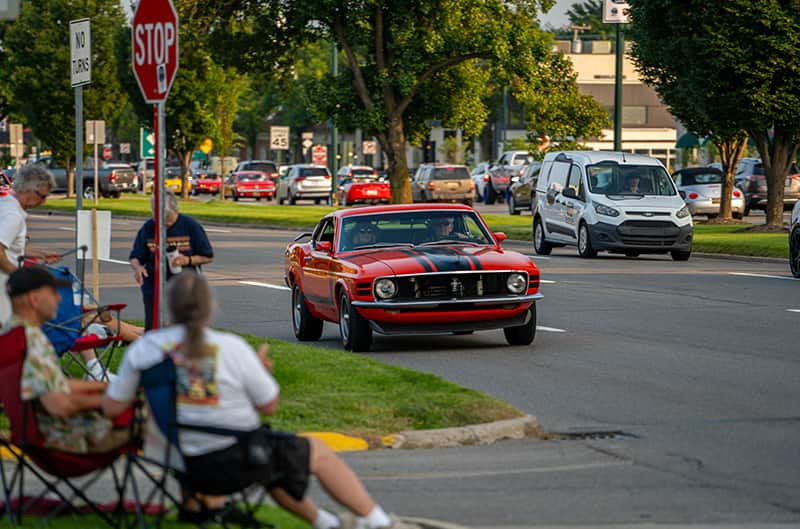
pixel 154 35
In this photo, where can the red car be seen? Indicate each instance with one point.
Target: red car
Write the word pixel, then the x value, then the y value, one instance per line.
pixel 206 184
pixel 361 184
pixel 5 183
pixel 409 269
pixel 250 184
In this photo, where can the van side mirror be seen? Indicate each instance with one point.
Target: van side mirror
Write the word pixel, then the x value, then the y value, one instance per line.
pixel 569 193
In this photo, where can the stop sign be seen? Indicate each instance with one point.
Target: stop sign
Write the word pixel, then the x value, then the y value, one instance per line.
pixel 106 153
pixel 155 48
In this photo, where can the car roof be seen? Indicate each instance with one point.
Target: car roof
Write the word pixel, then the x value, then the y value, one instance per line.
pixel 441 164
pixel 368 210
pixel 593 157
pixel 256 161
pixel 697 170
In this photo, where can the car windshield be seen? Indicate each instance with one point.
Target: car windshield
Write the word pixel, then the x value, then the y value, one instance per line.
pixel 252 176
pixel 361 173
pixel 450 173
pixel 262 166
pixel 313 171
pixel 412 228
pixel 611 178
pixel 693 179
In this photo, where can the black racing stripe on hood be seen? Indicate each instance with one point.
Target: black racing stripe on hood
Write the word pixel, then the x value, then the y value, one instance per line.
pixel 446 259
pixel 476 263
pixel 424 263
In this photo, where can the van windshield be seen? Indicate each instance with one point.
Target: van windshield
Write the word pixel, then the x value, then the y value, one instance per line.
pixel 614 179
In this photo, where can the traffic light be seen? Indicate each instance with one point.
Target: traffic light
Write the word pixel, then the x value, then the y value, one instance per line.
pixel 428 151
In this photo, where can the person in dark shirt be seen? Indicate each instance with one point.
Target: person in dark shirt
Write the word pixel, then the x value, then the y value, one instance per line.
pixel 184 233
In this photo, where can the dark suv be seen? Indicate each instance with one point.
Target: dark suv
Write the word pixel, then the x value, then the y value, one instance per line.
pixel 750 179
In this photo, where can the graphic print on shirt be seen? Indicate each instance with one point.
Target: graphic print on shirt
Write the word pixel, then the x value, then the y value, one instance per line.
pixel 181 242
pixel 196 377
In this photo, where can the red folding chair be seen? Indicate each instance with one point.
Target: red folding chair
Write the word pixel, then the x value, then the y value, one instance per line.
pixel 25 444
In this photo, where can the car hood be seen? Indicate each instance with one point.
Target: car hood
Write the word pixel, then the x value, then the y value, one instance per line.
pixel 649 202
pixel 427 259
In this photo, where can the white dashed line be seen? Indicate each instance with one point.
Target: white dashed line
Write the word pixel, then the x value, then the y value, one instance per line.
pixel 550 329
pixel 745 274
pixel 547 281
pixel 265 285
pixel 63 228
pixel 115 261
pixel 537 256
pixel 217 230
pixel 792 310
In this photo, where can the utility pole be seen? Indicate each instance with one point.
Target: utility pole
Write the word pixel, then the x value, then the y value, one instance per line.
pixel 618 91
pixel 334 132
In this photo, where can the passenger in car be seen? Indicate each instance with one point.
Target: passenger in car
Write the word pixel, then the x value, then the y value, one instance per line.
pixel 363 234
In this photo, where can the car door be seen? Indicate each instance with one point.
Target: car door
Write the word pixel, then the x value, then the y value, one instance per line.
pixel 317 281
pixel 552 208
pixel 283 184
pixel 417 185
pixel 573 207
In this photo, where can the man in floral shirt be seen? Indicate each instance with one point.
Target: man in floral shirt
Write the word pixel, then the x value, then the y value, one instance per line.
pixel 67 410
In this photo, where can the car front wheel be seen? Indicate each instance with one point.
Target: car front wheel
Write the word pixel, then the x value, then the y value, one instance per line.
pixel 680 255
pixel 512 206
pixel 540 245
pixel 355 331
pixel 585 248
pixel 306 326
pixel 794 252
pixel 524 334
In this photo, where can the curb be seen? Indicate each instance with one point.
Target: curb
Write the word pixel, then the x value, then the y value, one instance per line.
pixel 734 257
pixel 476 434
pixel 427 523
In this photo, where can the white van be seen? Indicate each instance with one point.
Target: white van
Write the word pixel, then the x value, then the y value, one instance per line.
pixel 614 201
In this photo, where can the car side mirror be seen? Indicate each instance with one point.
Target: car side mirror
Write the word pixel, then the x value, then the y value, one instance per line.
pixel 569 193
pixel 324 246
pixel 500 236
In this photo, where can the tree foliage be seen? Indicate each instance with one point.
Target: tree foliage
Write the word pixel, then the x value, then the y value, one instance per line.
pixel 590 13
pixel 36 69
pixel 725 68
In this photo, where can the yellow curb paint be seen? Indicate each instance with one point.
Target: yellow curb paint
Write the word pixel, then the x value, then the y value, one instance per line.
pixel 389 440
pixel 338 442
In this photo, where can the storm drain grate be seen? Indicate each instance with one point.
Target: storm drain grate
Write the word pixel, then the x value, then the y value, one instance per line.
pixel 588 435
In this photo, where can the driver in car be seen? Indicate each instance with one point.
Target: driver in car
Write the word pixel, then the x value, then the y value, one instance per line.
pixel 363 234
pixel 442 228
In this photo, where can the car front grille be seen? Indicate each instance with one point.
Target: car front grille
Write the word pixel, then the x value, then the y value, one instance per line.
pixel 452 286
pixel 648 233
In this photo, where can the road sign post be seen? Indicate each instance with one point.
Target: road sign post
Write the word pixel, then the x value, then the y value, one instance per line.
pixel 154 36
pixel 80 46
pixel 95 135
pixel 617 12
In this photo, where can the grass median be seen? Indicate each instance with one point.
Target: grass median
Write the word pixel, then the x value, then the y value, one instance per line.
pixel 728 239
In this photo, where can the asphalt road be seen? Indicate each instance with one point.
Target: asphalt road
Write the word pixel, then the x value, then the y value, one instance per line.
pixel 694 364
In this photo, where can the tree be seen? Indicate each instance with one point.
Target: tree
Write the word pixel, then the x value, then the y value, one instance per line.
pixel 739 70
pixel 590 13
pixel 36 65
pixel 405 64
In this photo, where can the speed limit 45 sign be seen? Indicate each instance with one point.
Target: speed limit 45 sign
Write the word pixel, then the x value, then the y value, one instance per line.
pixel 279 138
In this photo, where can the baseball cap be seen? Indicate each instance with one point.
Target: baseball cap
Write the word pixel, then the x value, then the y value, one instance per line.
pixel 25 279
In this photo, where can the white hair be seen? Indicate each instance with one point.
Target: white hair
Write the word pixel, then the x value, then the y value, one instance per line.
pixel 170 202
pixel 33 178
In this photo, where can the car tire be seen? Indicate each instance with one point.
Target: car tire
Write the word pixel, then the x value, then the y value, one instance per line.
pixel 354 330
pixel 491 194
pixel 524 334
pixel 738 216
pixel 292 200
pixel 512 206
pixel 306 326
pixel 280 201
pixel 235 196
pixel 317 201
pixel 540 244
pixel 794 252
pixel 258 199
pixel 679 255
pixel 746 211
pixel 585 248
pixel 631 253
pixel 88 192
pixel 711 216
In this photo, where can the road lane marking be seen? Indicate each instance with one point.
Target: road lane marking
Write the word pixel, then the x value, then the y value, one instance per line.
pixel 746 274
pixel 217 230
pixel 792 310
pixel 537 256
pixel 501 472
pixel 265 285
pixel 63 228
pixel 550 329
pixel 547 281
pixel 116 261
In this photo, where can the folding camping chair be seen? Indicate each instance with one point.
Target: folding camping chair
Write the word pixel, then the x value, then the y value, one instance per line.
pixel 159 384
pixel 78 327
pixel 29 455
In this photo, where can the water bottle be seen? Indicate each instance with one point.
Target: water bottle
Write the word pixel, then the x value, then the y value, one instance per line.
pixel 172 253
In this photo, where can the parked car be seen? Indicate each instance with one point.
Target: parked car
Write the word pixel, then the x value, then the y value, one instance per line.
pixel 173 179
pixel 511 163
pixel 701 188
pixel 250 184
pixel 794 241
pixel 442 182
pixel 522 193
pixel 361 184
pixel 145 170
pixel 305 182
pixel 111 182
pixel 409 269
pixel 205 182
pixel 751 180
pixel 110 164
pixel 613 201
pixel 5 183
pixel 267 167
pixel 480 176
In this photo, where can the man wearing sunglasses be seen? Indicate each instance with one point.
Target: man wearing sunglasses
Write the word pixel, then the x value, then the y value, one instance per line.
pixel 31 186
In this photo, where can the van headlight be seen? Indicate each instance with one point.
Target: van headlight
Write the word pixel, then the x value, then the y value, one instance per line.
pixel 517 283
pixel 385 288
pixel 683 212
pixel 608 211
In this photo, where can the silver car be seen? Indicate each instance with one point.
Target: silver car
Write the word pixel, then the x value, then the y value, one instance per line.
pixel 701 187
pixel 305 182
pixel 794 241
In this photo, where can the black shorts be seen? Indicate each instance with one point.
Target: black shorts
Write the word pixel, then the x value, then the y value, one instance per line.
pixel 226 471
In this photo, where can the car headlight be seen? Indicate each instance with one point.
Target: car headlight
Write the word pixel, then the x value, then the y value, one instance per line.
pixel 683 212
pixel 608 211
pixel 385 288
pixel 517 283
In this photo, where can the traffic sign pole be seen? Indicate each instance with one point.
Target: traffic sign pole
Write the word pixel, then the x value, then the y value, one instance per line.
pixel 161 150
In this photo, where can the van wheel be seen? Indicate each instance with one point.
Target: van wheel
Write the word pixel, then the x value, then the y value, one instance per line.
pixel 491 194
pixel 524 334
pixel 306 326
pixel 540 245
pixel 355 331
pixel 585 249
pixel 512 206
pixel 680 256
pixel 794 252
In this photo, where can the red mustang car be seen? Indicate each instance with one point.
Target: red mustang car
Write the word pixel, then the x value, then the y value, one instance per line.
pixel 409 269
pixel 250 184
pixel 360 184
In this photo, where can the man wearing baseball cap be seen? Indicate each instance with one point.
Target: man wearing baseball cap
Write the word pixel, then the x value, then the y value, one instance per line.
pixel 67 410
